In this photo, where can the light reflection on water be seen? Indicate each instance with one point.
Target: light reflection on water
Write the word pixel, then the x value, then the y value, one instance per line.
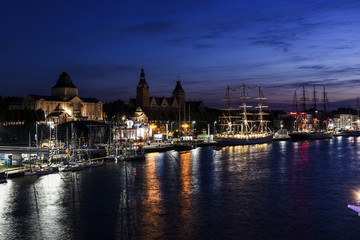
pixel 283 190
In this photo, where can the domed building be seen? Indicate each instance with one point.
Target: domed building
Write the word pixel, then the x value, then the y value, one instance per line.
pixel 65 103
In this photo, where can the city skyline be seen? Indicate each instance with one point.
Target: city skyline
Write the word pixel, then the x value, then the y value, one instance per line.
pixel 209 44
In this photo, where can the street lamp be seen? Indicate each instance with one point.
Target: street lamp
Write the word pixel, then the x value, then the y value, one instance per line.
pixel 215 127
pixel 185 126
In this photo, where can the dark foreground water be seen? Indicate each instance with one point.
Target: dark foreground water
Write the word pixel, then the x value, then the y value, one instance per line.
pixel 282 190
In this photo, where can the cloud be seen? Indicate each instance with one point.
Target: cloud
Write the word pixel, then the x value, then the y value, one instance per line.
pixel 273 43
pixel 312 67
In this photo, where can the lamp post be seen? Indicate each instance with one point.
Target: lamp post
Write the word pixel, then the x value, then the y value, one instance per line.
pixel 185 126
pixel 215 127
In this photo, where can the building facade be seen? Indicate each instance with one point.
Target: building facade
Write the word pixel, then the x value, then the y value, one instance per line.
pixel 146 102
pixel 64 104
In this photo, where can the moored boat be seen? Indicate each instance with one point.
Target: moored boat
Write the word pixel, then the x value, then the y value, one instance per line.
pixel 237 128
pixel 350 133
pixel 311 124
pixel 300 136
pixel 281 135
pixel 183 146
pixel 43 171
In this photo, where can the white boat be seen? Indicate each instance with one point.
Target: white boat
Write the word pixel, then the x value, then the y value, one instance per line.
pixel 281 135
pixel 237 128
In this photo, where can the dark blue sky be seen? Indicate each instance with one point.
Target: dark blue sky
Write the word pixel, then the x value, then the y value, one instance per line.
pixel 211 44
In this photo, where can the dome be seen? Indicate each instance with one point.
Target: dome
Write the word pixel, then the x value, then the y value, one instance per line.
pixel 64 81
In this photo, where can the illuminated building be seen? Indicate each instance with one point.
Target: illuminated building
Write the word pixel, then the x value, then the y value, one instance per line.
pixel 64 104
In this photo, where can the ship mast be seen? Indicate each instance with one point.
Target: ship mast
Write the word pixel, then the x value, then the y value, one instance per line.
pixel 260 106
pixel 228 123
pixel 244 96
pixel 303 99
pixel 326 103
pixel 357 120
pixel 315 109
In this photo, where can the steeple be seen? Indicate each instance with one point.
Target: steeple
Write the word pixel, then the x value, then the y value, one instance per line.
pixel 142 92
pixel 142 76
pixel 179 93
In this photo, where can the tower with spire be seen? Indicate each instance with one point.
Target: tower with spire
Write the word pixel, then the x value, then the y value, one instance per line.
pixel 179 93
pixel 142 92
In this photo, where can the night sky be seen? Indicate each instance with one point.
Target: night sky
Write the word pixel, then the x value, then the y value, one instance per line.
pixel 210 44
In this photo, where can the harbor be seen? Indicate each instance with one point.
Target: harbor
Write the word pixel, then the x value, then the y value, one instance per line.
pixel 180 120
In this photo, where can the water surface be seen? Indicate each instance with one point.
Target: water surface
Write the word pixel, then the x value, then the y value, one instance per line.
pixel 281 190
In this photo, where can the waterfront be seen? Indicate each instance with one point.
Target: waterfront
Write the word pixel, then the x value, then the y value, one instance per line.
pixel 280 190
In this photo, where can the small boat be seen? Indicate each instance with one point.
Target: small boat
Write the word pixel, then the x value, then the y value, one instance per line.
pixel 183 146
pixel 77 167
pixel 350 133
pixel 43 171
pixel 93 164
pixel 64 168
pixel 281 135
pixel 30 172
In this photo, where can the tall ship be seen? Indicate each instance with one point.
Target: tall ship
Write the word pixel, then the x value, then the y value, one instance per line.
pixel 311 124
pixel 236 126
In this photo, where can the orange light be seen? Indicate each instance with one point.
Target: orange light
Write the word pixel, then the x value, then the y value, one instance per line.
pixel 293 113
pixel 185 125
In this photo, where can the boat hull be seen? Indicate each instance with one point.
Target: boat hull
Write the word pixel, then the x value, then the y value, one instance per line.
pixel 183 147
pixel 229 141
pixel 300 136
pixel 350 133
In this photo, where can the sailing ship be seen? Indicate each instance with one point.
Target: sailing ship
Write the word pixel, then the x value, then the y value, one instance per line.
pixel 308 122
pixel 237 127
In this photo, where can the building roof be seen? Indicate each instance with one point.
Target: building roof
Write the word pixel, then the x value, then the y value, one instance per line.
pixel 46 98
pixel 142 83
pixel 159 100
pixel 59 99
pixel 64 81
pixel 178 86
pixel 90 100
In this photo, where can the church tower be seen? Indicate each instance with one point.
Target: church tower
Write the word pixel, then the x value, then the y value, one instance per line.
pixel 179 93
pixel 142 92
pixel 64 87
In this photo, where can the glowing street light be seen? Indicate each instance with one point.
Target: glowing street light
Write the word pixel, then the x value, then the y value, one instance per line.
pixel 185 126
